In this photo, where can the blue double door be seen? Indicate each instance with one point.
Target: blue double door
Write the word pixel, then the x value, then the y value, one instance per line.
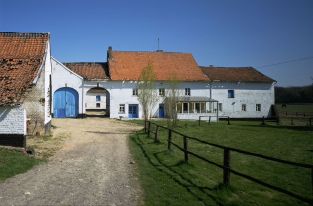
pixel 133 111
pixel 161 111
pixel 65 103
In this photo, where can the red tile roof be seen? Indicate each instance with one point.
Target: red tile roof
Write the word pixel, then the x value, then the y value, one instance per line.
pixel 90 70
pixel 21 55
pixel 235 74
pixel 166 65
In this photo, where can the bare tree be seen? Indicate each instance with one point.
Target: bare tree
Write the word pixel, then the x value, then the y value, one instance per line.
pixel 147 93
pixel 171 100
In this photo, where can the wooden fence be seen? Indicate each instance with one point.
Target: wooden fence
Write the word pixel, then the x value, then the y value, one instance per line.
pixel 226 167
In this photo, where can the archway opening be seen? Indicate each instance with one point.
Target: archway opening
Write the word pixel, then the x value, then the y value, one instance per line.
pixel 97 102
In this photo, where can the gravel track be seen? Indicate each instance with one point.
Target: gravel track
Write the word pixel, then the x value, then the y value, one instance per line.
pixel 92 168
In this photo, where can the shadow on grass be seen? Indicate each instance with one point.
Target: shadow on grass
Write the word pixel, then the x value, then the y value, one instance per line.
pixel 177 177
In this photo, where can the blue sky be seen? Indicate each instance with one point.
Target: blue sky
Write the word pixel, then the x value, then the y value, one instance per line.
pixel 219 33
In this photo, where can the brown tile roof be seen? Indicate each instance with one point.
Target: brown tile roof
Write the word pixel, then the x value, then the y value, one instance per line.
pixel 235 74
pixel 125 65
pixel 90 70
pixel 21 55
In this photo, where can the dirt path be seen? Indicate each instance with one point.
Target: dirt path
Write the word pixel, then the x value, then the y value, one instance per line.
pixel 93 168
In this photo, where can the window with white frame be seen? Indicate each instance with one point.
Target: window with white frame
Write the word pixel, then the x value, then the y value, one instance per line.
pixel 122 109
pixel 258 107
pixel 244 107
pixel 135 92
pixel 187 91
pixel 161 92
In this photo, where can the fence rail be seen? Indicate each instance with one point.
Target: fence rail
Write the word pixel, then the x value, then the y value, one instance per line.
pixel 227 170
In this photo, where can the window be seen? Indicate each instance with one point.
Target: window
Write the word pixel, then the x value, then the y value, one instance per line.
pixel 98 98
pixel 185 107
pixel 220 107
pixel 161 91
pixel 244 107
pixel 202 107
pixel 191 107
pixel 178 107
pixel 122 109
pixel 98 105
pixel 231 93
pixel 197 107
pixel 258 107
pixel 135 92
pixel 187 91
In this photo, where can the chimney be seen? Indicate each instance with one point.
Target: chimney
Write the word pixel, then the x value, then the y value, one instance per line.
pixel 109 54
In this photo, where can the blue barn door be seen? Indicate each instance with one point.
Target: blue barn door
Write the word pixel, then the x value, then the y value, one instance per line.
pixel 65 103
pixel 133 111
pixel 161 111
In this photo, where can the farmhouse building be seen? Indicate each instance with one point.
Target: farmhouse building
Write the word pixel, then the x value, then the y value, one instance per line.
pixel 25 73
pixel 111 87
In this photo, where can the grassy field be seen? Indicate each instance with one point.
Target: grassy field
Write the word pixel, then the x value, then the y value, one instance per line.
pixel 295 108
pixel 167 180
pixel 14 162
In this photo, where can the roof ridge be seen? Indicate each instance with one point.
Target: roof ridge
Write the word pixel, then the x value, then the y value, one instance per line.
pixel 171 52
pixel 84 62
pixel 25 34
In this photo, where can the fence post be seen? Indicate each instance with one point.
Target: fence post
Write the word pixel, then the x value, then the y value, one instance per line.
pixel 310 120
pixel 291 123
pixel 156 138
pixel 209 119
pixel 149 128
pixel 186 149
pixel 226 175
pixel 199 120
pixel 145 126
pixel 228 121
pixel 169 140
pixel 312 179
pixel 263 121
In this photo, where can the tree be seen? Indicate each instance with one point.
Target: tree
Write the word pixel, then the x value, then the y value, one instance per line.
pixel 171 99
pixel 147 94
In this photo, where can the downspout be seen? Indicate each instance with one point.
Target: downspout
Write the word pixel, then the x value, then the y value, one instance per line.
pixel 83 98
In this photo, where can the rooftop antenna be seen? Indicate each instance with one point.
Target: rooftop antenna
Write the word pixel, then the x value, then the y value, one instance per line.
pixel 159 45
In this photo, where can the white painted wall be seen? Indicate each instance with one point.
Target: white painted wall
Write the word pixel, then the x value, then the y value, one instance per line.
pixel 47 83
pixel 12 120
pixel 63 77
pixel 245 93
pixel 121 93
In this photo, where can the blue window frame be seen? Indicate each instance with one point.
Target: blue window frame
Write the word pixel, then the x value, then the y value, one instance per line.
pixel 231 93
pixel 98 98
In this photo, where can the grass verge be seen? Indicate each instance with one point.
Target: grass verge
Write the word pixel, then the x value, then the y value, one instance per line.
pixel 167 180
pixel 14 162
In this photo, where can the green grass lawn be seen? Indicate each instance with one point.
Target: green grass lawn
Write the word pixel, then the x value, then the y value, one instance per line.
pixel 14 162
pixel 167 180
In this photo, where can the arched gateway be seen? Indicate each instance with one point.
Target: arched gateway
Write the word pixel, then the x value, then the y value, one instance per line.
pixel 65 103
pixel 97 101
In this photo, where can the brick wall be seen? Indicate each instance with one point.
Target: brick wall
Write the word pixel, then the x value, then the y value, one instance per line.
pixel 12 120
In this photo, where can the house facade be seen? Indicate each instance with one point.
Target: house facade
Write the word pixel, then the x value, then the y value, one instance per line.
pixel 25 86
pixel 112 87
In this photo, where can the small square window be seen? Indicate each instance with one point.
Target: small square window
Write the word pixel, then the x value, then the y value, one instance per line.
pixel 98 98
pixel 135 92
pixel 122 109
pixel 244 107
pixel 187 91
pixel 231 93
pixel 98 105
pixel 258 107
pixel 161 91
pixel 220 107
